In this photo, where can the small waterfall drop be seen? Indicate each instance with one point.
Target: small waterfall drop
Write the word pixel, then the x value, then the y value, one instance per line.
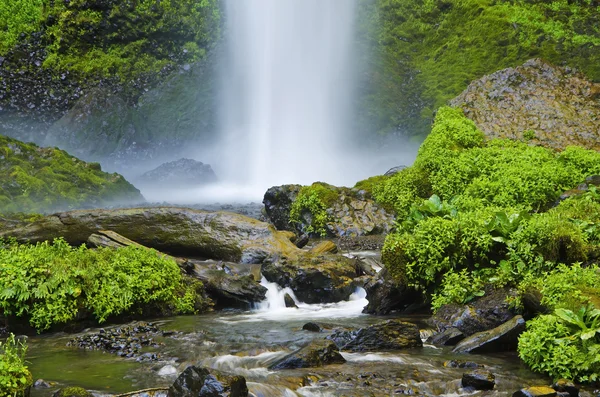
pixel 287 91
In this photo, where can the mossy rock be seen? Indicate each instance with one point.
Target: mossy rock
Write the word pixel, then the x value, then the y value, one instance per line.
pixel 73 391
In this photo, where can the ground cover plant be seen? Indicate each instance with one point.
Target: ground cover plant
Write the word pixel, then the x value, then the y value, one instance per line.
pixel 50 284
pixel 15 377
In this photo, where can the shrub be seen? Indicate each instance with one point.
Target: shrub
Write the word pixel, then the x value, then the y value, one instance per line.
pixel 15 377
pixel 55 283
pixel 459 288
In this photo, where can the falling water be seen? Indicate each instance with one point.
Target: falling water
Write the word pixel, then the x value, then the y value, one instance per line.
pixel 287 91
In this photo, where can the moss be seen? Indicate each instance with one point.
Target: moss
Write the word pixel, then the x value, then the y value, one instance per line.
pixel 73 391
pixel 370 184
pixel 35 179
pixel 312 204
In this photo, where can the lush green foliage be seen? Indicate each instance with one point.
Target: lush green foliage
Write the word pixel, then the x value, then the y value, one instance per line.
pixel 426 52
pixel 15 377
pixel 46 179
pixel 478 216
pixel 55 283
pixel 458 288
pixel 314 201
pixel 103 38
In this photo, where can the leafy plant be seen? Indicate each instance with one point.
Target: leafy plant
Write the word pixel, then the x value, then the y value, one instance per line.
pixel 459 288
pixel 15 377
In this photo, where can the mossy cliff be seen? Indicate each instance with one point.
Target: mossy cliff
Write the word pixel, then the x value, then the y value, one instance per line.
pixel 426 52
pixel 36 179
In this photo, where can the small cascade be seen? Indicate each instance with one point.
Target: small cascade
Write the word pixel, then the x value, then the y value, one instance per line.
pixel 275 296
pixel 264 390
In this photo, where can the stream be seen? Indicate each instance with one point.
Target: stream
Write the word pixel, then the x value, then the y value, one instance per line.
pixel 246 343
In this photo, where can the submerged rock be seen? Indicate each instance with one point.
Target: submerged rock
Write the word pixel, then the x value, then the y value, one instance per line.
pixel 73 391
pixel 184 173
pixel 501 338
pixel 318 353
pixel 178 231
pixel 547 105
pixel 389 335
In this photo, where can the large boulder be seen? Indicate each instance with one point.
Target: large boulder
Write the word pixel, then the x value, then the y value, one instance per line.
pixel 386 295
pixel 480 315
pixel 501 338
pixel 314 278
pixel 545 104
pixel 389 335
pixel 177 231
pixel 318 353
pixel 227 284
pixel 181 173
pixel 278 203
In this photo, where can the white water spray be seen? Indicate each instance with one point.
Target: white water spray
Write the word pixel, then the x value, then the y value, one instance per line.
pixel 287 92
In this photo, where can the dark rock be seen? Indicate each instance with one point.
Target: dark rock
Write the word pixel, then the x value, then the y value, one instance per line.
pixel 289 301
pixel 228 289
pixel 389 335
pixel 177 231
pixel 501 338
pixel 482 314
pixel 180 173
pixel 544 104
pixel 302 241
pixel 189 383
pixel 314 278
pixel 386 295
pixel 318 353
pixel 449 337
pixel 312 327
pixel 341 337
pixel 461 364
pixel 73 391
pixel 479 380
pixel 536 391
pixel 566 386
pixel 278 203
pixel 532 302
pixel 238 387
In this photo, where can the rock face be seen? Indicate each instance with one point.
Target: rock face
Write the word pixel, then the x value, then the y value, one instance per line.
pixel 389 335
pixel 177 231
pixel 180 173
pixel 318 353
pixel 352 213
pixel 314 278
pixel 386 295
pixel 478 379
pixel 483 314
pixel 548 105
pixel 501 338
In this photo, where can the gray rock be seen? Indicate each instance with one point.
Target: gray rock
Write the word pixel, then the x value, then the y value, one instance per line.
pixel 449 337
pixel 386 295
pixel 389 335
pixel 278 203
pixel 180 173
pixel 536 391
pixel 501 338
pixel 289 301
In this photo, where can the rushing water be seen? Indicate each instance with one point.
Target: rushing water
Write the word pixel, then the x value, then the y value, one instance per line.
pixel 246 343
pixel 287 91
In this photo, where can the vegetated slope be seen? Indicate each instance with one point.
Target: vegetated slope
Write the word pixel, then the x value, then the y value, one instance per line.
pixel 426 52
pixel 36 179
pixel 475 214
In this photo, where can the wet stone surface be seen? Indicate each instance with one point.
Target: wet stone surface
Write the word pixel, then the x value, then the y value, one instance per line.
pixel 125 341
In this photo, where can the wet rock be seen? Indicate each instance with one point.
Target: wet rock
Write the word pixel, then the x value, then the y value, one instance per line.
pixel 501 338
pixel 312 327
pixel 324 247
pixel 480 315
pixel 176 231
pixel 318 353
pixel 125 341
pixel 566 386
pixel 289 301
pixel 314 278
pixel 185 173
pixel 461 364
pixel 41 384
pixel 72 392
pixel 278 203
pixel 211 387
pixel 389 335
pixel 479 379
pixel 538 102
pixel 227 286
pixel 394 170
pixel 535 391
pixel 302 241
pixel 189 383
pixel 386 295
pixel 449 337
pixel 167 370
pixel 202 382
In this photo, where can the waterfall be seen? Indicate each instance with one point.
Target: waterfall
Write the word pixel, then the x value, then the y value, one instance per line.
pixel 287 88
